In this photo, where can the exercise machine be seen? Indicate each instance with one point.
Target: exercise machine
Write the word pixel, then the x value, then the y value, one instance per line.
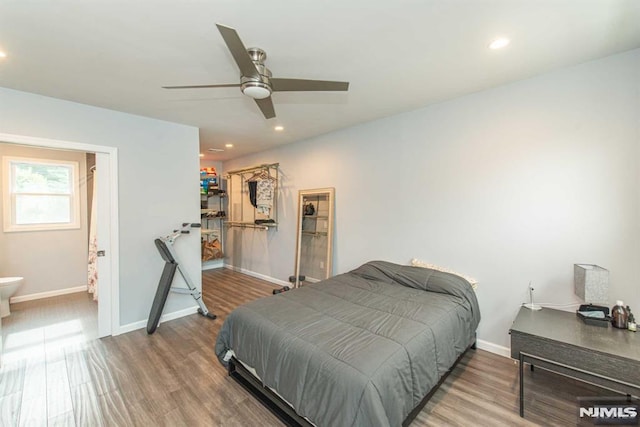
pixel 165 247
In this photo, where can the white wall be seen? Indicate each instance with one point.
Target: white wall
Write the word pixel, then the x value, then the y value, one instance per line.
pixel 509 185
pixel 48 260
pixel 158 184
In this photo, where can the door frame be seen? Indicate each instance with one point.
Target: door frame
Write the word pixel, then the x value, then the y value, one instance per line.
pixel 107 176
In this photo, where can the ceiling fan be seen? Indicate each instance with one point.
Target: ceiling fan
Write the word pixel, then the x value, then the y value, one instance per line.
pixel 255 78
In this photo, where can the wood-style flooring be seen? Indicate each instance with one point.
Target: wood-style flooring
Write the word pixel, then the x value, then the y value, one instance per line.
pixel 56 373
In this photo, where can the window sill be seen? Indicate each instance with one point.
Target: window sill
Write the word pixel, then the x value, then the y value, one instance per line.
pixel 40 227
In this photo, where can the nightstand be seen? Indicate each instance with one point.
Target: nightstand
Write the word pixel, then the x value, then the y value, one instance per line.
pixel 560 342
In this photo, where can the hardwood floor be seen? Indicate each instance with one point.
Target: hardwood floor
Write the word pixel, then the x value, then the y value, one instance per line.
pixel 56 372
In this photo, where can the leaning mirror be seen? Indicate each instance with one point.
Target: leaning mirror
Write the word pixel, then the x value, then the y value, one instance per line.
pixel 315 235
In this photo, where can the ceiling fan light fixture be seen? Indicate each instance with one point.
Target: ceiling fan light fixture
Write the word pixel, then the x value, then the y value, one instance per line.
pixel 256 90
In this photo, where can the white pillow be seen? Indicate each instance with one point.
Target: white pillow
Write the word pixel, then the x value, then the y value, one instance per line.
pixel 417 263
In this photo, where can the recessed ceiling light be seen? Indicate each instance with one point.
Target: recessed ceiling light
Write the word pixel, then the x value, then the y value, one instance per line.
pixel 499 43
pixel 201 155
pixel 215 149
pixel 279 128
pixel 228 145
pixel 3 54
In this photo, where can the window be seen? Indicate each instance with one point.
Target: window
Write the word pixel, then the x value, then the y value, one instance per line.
pixel 40 194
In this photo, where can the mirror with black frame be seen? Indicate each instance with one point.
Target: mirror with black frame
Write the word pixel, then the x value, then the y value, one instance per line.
pixel 315 236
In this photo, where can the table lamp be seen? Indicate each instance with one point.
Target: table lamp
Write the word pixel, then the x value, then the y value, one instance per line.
pixel 591 283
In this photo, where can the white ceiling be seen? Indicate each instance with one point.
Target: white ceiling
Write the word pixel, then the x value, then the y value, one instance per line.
pixel 398 55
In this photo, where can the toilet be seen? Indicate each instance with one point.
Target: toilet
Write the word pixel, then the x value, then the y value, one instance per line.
pixel 8 287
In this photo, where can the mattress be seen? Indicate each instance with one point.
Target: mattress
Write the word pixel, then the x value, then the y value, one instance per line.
pixel 360 349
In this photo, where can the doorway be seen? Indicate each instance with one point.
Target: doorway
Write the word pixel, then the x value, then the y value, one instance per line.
pixel 106 193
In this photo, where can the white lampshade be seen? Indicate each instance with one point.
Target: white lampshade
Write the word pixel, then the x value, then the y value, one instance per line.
pixel 591 283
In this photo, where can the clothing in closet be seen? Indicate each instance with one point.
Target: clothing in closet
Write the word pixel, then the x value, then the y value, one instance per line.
pixel 253 192
pixel 264 199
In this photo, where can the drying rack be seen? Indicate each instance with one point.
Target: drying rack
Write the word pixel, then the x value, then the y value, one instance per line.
pixel 247 217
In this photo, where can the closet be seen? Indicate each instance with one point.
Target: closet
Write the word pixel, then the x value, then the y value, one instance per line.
pixel 212 214
pixel 253 197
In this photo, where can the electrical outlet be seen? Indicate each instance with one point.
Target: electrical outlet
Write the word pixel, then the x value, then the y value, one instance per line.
pixel 326 224
pixel 321 264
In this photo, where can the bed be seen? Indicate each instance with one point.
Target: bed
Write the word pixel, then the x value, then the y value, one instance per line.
pixel 364 348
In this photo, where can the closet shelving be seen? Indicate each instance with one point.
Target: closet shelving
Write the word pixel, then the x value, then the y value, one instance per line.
pixel 212 214
pixel 242 214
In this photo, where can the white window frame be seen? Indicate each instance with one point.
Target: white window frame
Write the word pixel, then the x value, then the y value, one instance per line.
pixel 9 196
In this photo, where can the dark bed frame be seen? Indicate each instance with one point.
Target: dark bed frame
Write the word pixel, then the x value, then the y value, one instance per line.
pixel 285 412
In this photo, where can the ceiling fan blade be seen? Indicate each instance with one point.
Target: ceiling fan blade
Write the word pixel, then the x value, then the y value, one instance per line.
pixel 291 85
pixel 266 106
pixel 239 52
pixel 201 86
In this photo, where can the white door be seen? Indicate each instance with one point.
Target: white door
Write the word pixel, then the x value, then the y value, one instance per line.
pixel 103 231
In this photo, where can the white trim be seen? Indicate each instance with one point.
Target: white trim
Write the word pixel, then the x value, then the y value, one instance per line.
pixel 111 305
pixel 115 240
pixel 164 318
pixel 48 294
pixel 493 348
pixel 108 227
pixel 213 264
pixel 258 275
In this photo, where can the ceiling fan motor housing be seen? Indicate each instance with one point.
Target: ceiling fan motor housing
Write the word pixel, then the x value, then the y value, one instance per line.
pixel 258 56
pixel 257 86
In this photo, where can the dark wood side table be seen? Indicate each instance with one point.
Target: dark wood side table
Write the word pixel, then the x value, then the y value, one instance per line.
pixel 560 342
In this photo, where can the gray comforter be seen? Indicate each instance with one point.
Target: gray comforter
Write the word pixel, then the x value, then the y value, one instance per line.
pixel 360 349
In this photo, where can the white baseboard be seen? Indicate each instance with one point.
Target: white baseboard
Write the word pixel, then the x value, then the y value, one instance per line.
pixel 258 275
pixel 48 294
pixel 493 348
pixel 164 318
pixel 210 265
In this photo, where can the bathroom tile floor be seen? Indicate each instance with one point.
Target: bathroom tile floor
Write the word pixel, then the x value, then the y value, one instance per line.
pixel 43 345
